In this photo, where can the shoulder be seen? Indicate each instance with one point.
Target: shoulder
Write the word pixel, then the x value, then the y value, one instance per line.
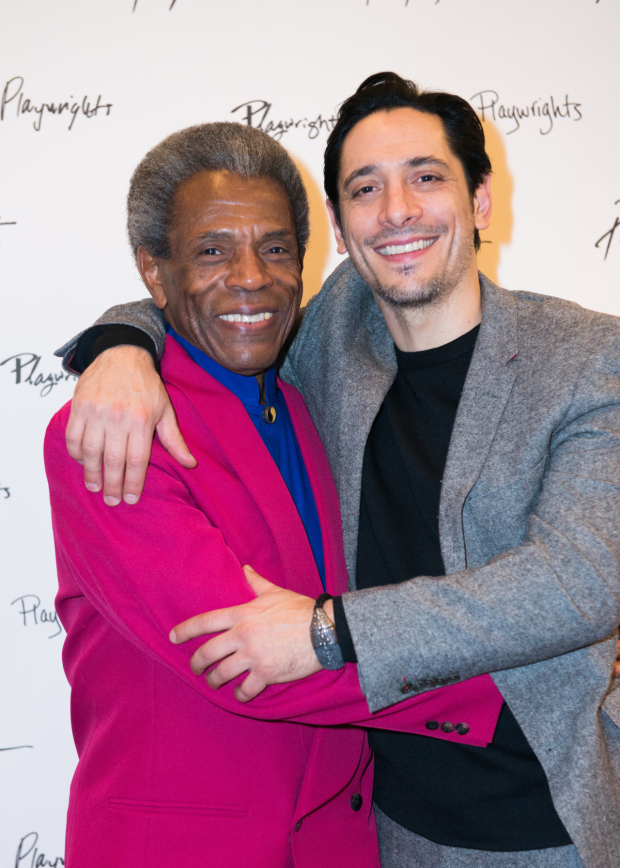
pixel 341 317
pixel 566 320
pixel 344 297
pixel 549 330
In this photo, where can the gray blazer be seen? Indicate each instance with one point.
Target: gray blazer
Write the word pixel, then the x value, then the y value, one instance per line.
pixel 529 526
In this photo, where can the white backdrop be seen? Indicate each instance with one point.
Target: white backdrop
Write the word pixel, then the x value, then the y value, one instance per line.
pixel 88 88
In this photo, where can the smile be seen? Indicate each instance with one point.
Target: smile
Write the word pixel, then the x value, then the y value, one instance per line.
pixel 393 249
pixel 244 317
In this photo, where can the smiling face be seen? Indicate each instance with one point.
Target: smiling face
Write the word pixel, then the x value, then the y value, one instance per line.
pixel 232 286
pixel 407 216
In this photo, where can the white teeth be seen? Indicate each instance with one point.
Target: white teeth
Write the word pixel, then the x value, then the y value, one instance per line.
pixel 391 249
pixel 244 317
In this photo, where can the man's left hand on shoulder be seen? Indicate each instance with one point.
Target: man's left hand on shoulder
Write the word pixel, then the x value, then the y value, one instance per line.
pixel 268 637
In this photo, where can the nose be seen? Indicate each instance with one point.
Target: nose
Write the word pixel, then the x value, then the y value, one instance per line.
pixel 400 205
pixel 248 272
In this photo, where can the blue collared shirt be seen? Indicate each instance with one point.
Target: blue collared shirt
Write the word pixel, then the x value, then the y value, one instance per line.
pixel 279 437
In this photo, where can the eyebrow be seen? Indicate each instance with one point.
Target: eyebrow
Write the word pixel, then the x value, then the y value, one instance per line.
pixel 227 235
pixel 413 163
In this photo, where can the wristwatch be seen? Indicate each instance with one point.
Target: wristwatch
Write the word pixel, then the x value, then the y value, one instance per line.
pixel 323 636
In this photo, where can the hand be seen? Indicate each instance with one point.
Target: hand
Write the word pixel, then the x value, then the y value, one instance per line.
pixel 617 666
pixel 270 637
pixel 118 402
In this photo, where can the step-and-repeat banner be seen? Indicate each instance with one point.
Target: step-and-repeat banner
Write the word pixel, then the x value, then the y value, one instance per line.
pixel 87 88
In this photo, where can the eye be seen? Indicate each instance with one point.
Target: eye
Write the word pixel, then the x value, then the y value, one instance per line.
pixel 276 250
pixel 427 178
pixel 212 251
pixel 367 188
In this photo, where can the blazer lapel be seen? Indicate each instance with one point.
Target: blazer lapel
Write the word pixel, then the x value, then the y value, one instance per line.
pixel 488 385
pixel 323 488
pixel 370 371
pixel 226 418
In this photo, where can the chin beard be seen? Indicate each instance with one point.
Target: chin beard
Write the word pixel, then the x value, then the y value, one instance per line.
pixel 424 294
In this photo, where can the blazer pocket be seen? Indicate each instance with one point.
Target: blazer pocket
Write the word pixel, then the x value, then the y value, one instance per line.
pixel 188 809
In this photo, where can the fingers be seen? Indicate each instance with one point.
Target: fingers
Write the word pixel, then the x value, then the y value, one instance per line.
pixel 616 670
pixel 75 433
pixel 229 668
pixel 117 403
pixel 114 459
pixel 200 625
pixel 171 438
pixel 250 688
pixel 91 452
pixel 221 649
pixel 139 447
pixel 85 440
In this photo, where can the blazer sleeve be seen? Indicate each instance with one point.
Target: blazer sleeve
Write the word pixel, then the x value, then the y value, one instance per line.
pixel 557 592
pixel 150 566
pixel 142 315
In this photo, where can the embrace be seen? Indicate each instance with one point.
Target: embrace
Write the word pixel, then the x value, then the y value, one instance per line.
pixel 414 666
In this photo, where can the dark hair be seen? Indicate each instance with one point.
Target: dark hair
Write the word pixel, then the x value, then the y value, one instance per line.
pixel 224 146
pixel 386 90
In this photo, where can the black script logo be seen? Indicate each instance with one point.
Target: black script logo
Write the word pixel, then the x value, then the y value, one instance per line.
pixel 255 113
pixel 14 90
pixel 610 232
pixel 32 613
pixel 26 365
pixel 28 846
pixel 489 107
pixel 5 490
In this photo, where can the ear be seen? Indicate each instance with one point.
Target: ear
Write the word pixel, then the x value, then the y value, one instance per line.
pixel 341 246
pixel 483 204
pixel 148 266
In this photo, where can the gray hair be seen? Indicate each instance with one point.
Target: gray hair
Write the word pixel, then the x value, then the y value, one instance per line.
pixel 236 148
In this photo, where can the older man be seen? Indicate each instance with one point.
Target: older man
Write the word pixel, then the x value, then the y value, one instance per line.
pixel 474 436
pixel 171 772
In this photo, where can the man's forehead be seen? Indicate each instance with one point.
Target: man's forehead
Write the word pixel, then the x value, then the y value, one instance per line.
pixel 396 136
pixel 223 200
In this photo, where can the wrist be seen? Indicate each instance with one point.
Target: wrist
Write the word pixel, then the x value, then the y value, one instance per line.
pixel 323 635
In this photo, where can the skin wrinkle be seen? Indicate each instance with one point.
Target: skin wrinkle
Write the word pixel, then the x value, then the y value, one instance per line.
pixel 233 250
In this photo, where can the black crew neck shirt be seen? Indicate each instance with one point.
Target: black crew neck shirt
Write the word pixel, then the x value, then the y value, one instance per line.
pixel 495 798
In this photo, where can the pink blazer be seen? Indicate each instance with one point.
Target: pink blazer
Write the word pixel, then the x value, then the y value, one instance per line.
pixel 171 772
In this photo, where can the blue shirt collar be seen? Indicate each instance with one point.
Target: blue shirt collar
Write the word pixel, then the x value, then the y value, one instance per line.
pixel 245 388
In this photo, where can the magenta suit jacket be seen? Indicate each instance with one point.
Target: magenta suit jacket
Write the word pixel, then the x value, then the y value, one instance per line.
pixel 171 772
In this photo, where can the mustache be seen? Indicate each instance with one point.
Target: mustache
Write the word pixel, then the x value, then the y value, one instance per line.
pixel 392 235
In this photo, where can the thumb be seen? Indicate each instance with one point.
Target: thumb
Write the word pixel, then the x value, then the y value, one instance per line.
pixel 259 585
pixel 172 440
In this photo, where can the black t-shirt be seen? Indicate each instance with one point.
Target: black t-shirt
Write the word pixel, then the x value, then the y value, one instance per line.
pixel 493 798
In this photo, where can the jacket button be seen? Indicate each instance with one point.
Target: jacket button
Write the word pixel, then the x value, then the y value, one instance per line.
pixel 298 825
pixel 431 724
pixel 356 801
pixel 462 728
pixel 406 688
pixel 269 414
pixel 446 726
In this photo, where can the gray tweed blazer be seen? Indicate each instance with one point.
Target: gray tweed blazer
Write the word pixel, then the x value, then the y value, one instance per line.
pixel 529 525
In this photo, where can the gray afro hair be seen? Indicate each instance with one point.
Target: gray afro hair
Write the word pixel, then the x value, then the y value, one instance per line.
pixel 236 148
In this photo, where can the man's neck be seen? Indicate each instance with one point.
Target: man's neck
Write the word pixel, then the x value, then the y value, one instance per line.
pixel 424 328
